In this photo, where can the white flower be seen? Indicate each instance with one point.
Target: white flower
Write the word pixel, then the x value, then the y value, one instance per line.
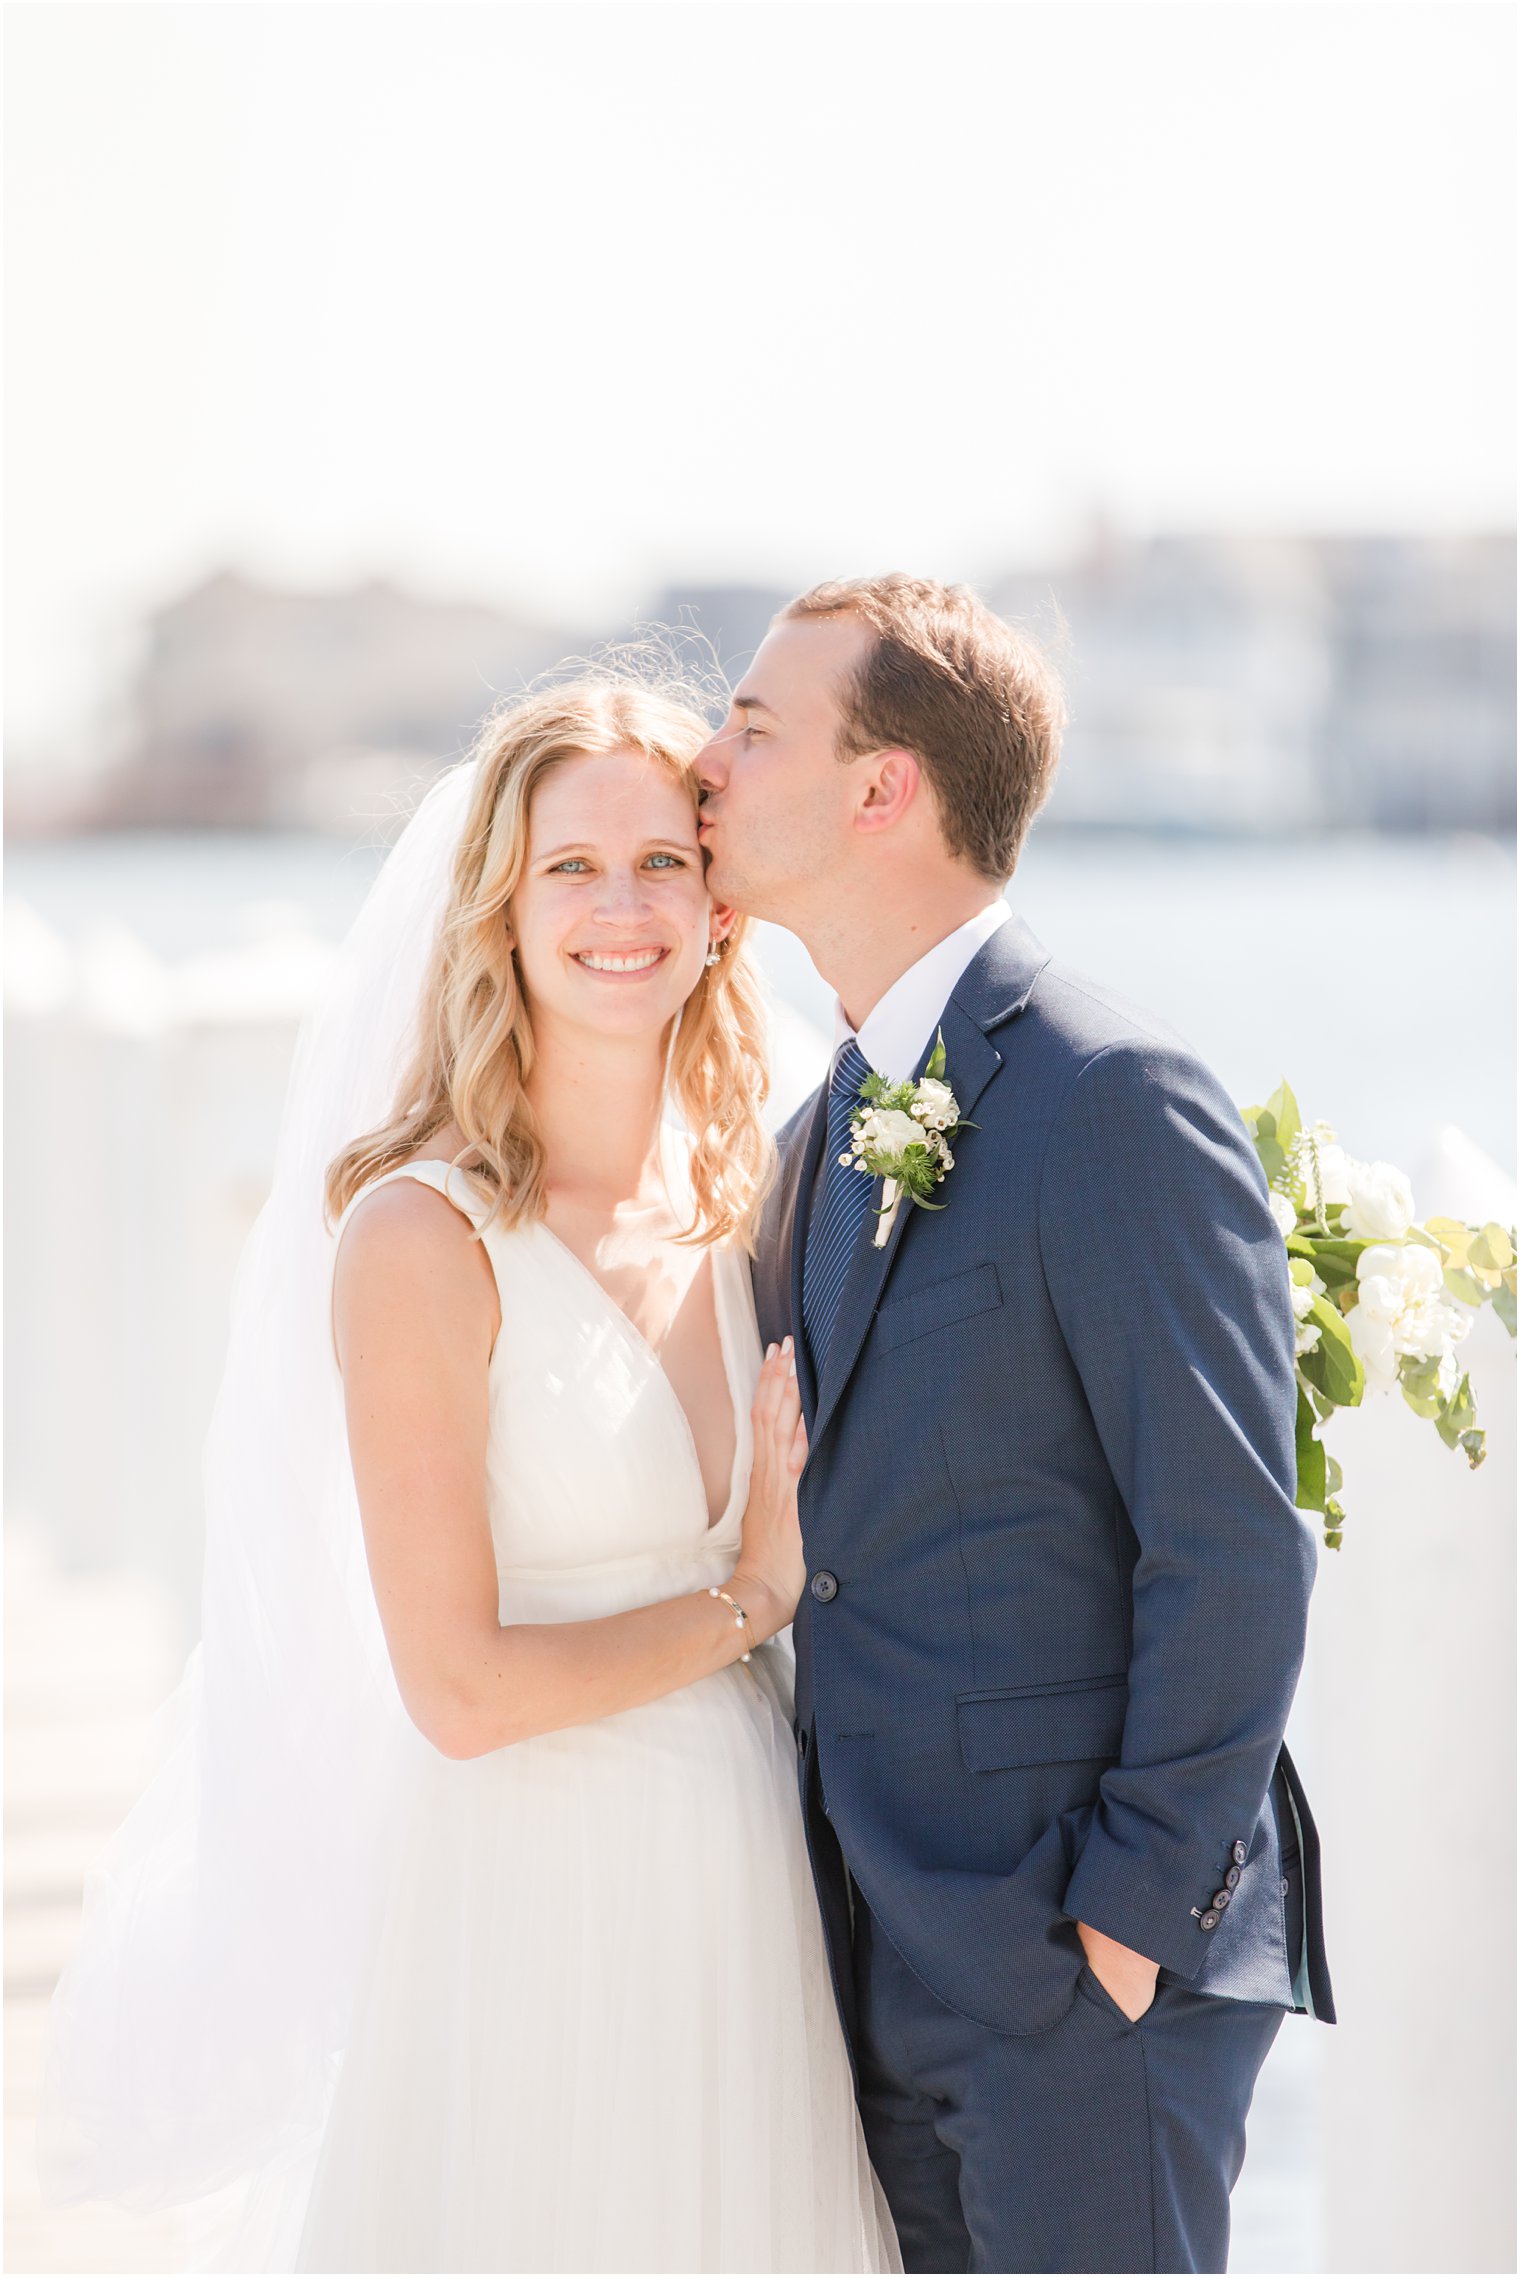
pixel 1381 1205
pixel 934 1104
pixel 1402 1311
pixel 1283 1211
pixel 887 1130
pixel 1305 1335
pixel 1332 1174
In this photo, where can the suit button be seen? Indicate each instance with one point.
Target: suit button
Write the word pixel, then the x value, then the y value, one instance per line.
pixel 1220 1900
pixel 802 1743
pixel 824 1586
pixel 1238 1853
pixel 1209 1920
pixel 1231 1877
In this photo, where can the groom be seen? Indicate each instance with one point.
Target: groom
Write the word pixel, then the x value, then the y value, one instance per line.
pixel 1056 1586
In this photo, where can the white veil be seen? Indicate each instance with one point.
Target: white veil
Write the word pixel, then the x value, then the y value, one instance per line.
pixel 194 2036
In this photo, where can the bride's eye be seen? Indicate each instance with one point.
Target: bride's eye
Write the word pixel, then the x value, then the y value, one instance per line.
pixel 572 862
pixel 674 860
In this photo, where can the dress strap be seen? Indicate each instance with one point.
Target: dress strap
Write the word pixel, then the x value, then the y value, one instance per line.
pixel 454 1184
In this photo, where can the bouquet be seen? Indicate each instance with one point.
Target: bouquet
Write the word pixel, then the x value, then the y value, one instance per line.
pixel 1379 1302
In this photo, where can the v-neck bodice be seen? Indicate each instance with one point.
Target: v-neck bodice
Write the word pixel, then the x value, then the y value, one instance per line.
pixel 595 1489
pixel 577 1265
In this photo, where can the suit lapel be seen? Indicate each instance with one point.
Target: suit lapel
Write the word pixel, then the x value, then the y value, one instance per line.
pixel 994 988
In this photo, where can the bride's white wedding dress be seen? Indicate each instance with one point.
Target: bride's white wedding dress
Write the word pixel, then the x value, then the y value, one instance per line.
pixel 594 2027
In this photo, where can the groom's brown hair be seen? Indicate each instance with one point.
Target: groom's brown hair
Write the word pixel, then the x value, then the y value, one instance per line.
pixel 975 702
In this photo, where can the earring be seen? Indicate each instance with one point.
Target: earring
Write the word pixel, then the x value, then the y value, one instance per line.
pixel 714 954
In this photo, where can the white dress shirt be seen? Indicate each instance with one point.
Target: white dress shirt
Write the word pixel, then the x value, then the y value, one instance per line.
pixel 895 1032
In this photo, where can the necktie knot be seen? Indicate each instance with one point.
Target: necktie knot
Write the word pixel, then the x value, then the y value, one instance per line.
pixel 851 1068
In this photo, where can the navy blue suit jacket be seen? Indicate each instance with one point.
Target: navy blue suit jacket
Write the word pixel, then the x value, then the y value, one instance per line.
pixel 1057 1585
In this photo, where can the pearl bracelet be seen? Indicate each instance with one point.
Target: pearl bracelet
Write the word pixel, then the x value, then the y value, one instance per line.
pixel 741 1618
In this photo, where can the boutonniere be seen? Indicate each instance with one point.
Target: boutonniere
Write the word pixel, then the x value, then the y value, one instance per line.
pixel 901 1133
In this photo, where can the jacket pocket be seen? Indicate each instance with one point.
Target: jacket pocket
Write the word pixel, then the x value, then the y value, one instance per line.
pixel 959 1297
pixel 1081 1722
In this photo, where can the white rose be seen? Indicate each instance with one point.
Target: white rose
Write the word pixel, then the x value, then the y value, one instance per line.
pixel 1402 1310
pixel 1380 1203
pixel 1372 1342
pixel 1283 1211
pixel 1430 1331
pixel 934 1106
pixel 1393 1274
pixel 887 1130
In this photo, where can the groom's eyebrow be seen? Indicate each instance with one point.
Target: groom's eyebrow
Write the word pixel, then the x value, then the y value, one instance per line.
pixel 754 704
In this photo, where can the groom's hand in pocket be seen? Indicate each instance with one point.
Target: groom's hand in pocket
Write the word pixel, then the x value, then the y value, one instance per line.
pixel 1126 1976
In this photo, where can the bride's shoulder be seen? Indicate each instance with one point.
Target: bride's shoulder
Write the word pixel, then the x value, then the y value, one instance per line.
pixel 407 1252
pixel 421 1210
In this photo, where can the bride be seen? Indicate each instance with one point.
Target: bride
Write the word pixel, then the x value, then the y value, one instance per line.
pixel 470 1915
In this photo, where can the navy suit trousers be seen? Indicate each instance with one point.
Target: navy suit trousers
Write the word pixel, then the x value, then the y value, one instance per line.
pixel 1097 2144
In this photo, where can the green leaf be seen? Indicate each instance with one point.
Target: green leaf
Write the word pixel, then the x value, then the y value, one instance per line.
pixel 1453 1237
pixel 934 1066
pixel 1263 1130
pixel 1301 1270
pixel 1333 1248
pixel 1310 1493
pixel 1491 1251
pixel 1459 1414
pixel 1504 1304
pixel 1463 1287
pixel 1474 1447
pixel 1419 1381
pixel 1268 1153
pixel 1333 1367
pixel 1283 1109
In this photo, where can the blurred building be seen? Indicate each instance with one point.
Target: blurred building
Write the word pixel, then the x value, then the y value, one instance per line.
pixel 1216 684
pixel 258 707
pixel 1261 683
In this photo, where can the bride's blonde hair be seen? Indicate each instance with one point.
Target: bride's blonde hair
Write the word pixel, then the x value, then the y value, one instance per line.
pixel 475 1049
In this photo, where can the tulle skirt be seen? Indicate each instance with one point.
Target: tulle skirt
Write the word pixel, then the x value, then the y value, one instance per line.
pixel 595 2029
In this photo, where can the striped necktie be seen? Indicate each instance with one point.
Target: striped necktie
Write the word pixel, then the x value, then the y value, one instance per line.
pixel 844 1202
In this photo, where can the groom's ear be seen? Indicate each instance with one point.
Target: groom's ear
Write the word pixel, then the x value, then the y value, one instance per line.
pixel 889 783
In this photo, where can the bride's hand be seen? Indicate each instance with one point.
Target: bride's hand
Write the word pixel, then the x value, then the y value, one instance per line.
pixel 768 1578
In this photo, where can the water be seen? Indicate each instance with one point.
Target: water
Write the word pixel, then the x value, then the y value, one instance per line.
pixel 1376 973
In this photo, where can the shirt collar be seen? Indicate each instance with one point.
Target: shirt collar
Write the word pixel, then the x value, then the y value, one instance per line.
pixel 896 1032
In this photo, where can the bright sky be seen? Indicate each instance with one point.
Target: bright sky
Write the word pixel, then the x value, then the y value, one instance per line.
pixel 550 303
